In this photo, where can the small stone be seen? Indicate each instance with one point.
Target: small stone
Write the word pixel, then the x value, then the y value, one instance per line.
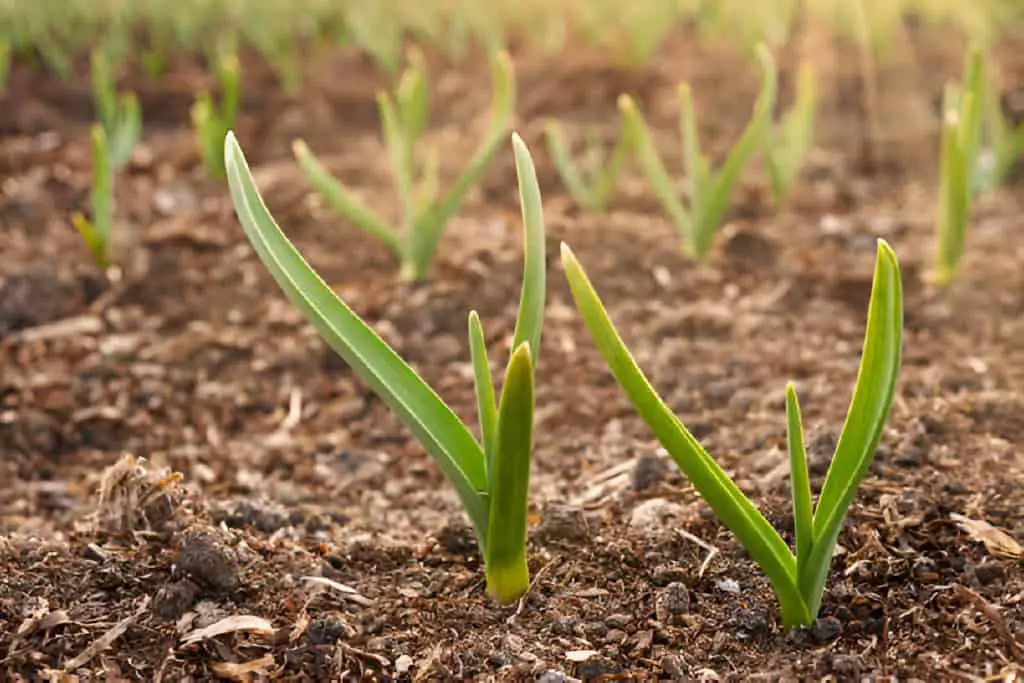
pixel 457 537
pixel 174 599
pixel 590 669
pixel 667 573
pixel 672 603
pixel 551 676
pixel 205 556
pixel 648 471
pixel 620 620
pixel 654 516
pixel 728 585
pixel 560 522
pixel 751 619
pixel 674 666
pixel 403 664
pixel 514 643
pixel 325 630
pixel 826 629
pixel 847 666
pixel 987 573
pixel 563 627
pixel 909 457
pixel 266 515
pixel 615 636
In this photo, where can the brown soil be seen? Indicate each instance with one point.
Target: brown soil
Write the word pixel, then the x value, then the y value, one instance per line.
pixel 289 468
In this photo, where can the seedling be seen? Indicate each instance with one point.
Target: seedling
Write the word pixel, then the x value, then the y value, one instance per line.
pixel 961 139
pixel 211 120
pixel 5 62
pixel 1005 143
pixel 798 579
pixel 592 181
pixel 490 476
pixel 425 212
pixel 709 190
pixel 786 146
pixel 97 231
pixel 118 112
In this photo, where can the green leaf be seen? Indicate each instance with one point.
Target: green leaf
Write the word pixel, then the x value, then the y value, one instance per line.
pixel 342 200
pixel 715 201
pixel 430 226
pixel 865 419
pixel 432 422
pixel 127 131
pixel 530 318
pixel 508 576
pixel 484 386
pixel 800 480
pixel 104 90
pixel 652 165
pixel 757 535
pixel 786 149
pixel 567 168
pixel 399 149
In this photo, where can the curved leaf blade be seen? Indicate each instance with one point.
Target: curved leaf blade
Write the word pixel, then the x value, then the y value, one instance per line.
pixel 799 478
pixel 508 575
pixel 530 318
pixel 442 434
pixel 484 387
pixel 869 409
pixel 754 532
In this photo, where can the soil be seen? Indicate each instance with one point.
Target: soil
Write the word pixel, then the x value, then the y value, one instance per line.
pixel 179 447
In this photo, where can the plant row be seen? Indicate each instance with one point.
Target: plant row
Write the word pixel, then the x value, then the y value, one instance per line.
pixel 53 33
pixel 490 470
pixel 979 148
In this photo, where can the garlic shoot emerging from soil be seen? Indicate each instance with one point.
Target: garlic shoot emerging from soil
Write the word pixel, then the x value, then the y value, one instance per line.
pixel 491 478
pixel 798 579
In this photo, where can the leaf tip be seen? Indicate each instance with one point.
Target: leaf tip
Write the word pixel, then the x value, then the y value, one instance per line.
pixel 566 252
pixel 626 103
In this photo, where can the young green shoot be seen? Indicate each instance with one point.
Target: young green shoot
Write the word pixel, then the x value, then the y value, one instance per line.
pixel 709 189
pixel 424 210
pixel 788 143
pixel 212 120
pixel 119 113
pixel 591 182
pixel 798 578
pixel 961 139
pixel 1005 143
pixel 98 230
pixel 490 476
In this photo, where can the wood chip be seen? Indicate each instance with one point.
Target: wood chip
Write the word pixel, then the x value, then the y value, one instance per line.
pixel 578 656
pixel 107 639
pixel 996 541
pixel 348 592
pixel 239 622
pixel 243 671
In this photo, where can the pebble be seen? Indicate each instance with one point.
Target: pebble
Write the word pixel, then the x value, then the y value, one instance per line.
pixel 826 629
pixel 403 664
pixel 649 470
pixel 551 676
pixel 667 573
pixel 655 516
pixel 560 522
pixel 174 599
pixel 457 537
pixel 620 620
pixel 204 554
pixel 674 666
pixel 325 630
pixel 672 603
